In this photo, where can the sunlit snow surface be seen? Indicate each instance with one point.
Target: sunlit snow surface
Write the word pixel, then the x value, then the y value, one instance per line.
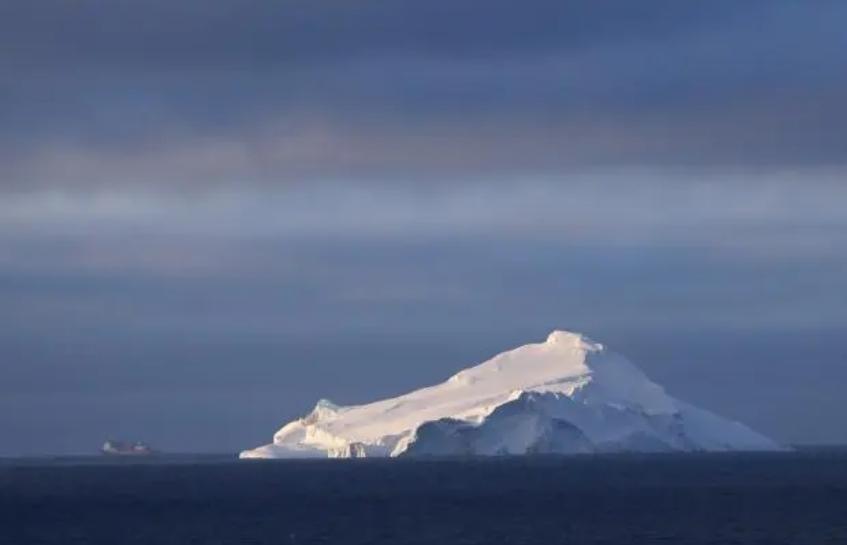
pixel 565 395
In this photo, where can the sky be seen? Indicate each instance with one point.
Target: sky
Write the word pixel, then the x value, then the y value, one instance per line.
pixel 214 213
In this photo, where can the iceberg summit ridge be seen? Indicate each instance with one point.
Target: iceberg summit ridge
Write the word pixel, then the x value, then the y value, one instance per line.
pixel 566 395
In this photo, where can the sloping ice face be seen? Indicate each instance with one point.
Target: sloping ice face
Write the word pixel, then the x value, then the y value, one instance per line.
pixel 566 395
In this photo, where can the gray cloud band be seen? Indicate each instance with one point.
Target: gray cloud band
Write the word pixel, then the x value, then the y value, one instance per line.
pixel 105 94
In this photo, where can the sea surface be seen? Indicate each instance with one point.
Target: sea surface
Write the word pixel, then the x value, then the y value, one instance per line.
pixel 792 498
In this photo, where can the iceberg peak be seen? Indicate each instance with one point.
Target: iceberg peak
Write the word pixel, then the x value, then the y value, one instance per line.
pixel 561 337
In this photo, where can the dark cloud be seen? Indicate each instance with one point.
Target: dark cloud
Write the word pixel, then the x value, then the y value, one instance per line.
pixel 198 94
pixel 249 34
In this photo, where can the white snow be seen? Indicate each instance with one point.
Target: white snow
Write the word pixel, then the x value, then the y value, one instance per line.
pixel 566 395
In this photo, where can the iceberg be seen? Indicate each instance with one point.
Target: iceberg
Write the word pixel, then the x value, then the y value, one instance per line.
pixel 566 395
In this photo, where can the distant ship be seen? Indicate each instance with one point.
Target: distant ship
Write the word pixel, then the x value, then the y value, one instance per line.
pixel 126 448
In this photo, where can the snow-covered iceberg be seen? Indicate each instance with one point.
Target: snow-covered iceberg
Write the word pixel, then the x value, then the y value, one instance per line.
pixel 566 395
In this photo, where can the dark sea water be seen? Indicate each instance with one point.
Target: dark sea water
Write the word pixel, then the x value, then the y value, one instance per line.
pixel 796 498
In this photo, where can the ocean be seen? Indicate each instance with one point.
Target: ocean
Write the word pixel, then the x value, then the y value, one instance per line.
pixel 719 499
